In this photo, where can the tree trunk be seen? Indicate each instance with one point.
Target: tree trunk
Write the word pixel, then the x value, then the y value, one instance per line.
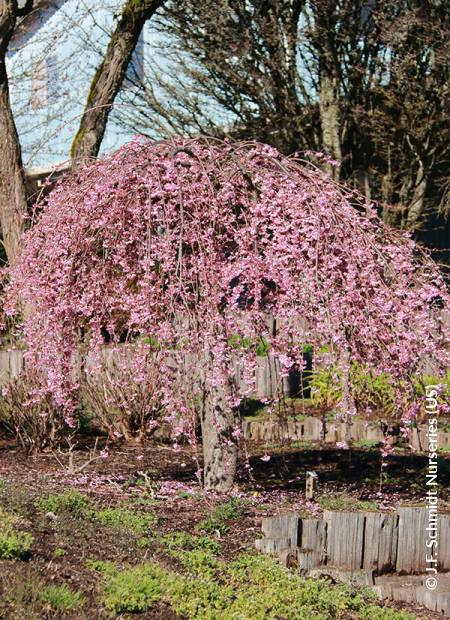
pixel 13 197
pixel 109 77
pixel 329 119
pixel 415 218
pixel 220 450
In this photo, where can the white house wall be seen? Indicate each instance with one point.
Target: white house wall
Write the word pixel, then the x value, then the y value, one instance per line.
pixel 50 70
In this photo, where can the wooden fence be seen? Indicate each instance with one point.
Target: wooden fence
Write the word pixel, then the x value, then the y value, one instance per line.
pixel 268 376
pixel 267 381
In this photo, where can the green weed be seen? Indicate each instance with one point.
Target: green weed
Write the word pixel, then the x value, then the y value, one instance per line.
pixel 345 502
pixel 70 502
pixel 216 522
pixel 182 541
pixel 14 544
pixel 366 443
pixel 61 598
pixel 131 590
pixel 125 519
pixel 253 587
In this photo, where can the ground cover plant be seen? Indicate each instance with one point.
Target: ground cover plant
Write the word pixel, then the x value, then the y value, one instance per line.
pixel 203 255
pixel 249 587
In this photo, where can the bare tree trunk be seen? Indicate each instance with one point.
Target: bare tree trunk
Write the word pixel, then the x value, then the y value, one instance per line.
pixel 416 207
pixel 13 197
pixel 220 450
pixel 329 119
pixel 347 399
pixel 109 77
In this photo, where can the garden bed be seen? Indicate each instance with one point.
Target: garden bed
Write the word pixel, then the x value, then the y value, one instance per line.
pixel 152 479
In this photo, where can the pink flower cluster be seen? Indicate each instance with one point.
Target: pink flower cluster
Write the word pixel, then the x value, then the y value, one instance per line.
pixel 197 246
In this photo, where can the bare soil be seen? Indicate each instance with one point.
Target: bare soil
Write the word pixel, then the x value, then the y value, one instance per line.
pixel 153 474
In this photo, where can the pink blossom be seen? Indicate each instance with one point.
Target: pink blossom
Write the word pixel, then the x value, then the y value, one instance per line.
pixel 342 445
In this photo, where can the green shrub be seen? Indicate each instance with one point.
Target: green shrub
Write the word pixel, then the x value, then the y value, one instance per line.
pixel 261 346
pixel 198 562
pixel 373 391
pixel 71 502
pixel 326 388
pixel 15 545
pixel 421 383
pixel 107 568
pixel 366 443
pixel 346 502
pixel 201 599
pixel 182 541
pixel 253 587
pixel 61 598
pixel 265 589
pixel 259 588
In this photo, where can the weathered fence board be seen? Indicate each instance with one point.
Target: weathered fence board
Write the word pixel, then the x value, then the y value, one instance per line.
pixel 282 526
pixel 411 539
pixel 11 363
pixel 312 542
pixel 443 550
pixel 345 537
pixel 380 541
pixel 272 546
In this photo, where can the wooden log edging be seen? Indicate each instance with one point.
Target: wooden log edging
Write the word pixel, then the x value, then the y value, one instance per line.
pixel 367 547
pixel 312 429
pixel 412 589
pixel 382 542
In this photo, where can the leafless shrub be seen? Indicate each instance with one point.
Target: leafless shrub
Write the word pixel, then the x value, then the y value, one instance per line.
pixel 122 393
pixel 29 412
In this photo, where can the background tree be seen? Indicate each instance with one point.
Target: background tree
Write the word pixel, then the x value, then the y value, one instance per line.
pixel 366 82
pixel 105 85
pixel 13 198
pixel 109 76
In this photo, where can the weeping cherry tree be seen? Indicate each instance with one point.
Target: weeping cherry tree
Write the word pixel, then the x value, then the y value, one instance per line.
pixel 199 250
